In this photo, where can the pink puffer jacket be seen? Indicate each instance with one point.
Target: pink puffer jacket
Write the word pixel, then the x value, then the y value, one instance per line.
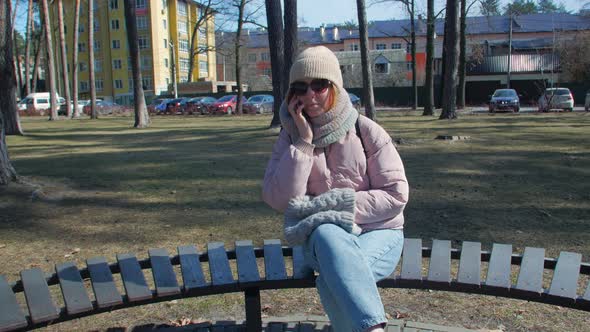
pixel 380 184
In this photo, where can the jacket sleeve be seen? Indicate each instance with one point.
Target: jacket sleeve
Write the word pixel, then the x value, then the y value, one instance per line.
pixel 389 190
pixel 287 172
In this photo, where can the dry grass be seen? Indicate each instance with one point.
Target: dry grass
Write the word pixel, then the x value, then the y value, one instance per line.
pixel 106 188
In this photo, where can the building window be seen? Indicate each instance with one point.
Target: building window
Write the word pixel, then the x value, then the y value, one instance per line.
pixel 118 84
pixel 409 65
pixel 165 24
pixel 396 46
pixel 65 29
pixel 130 83
pixel 408 47
pixel 164 3
pixel 81 47
pixel 114 4
pixel 140 4
pixel 181 27
pixel 165 43
pixel 181 6
pixel 354 47
pixel 146 62
pixel 116 44
pixel 114 24
pixel 141 22
pixel 147 82
pixel 96 45
pixel 117 64
pixel 381 68
pixel 265 56
pixel 81 26
pixel 99 85
pixel 97 65
pixel 83 86
pixel 167 81
pixel 183 45
pixel 203 69
pixel 252 57
pixel 380 47
pixel 166 62
pixel 129 64
pixel 82 66
pixel 183 64
pixel 144 42
pixel 96 25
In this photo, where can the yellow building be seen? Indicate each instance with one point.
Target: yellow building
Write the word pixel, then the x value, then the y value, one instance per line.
pixel 164 31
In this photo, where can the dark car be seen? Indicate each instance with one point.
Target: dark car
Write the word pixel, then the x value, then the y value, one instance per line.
pixel 105 107
pixel 204 105
pixel 190 107
pixel 355 100
pixel 175 106
pixel 504 100
pixel 259 104
pixel 225 104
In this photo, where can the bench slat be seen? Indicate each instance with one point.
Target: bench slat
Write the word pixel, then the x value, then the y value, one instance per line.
pixel 412 259
pixel 103 284
pixel 11 316
pixel 72 288
pixel 133 279
pixel 530 277
pixel 499 266
pixel 440 262
pixel 163 273
pixel 470 263
pixel 41 307
pixel 219 264
pixel 190 265
pixel 565 277
pixel 300 269
pixel 274 263
pixel 246 261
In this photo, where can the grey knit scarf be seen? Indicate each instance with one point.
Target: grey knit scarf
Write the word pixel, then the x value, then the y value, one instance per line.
pixel 328 127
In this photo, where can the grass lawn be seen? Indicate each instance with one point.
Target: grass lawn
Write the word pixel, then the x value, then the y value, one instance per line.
pixel 106 188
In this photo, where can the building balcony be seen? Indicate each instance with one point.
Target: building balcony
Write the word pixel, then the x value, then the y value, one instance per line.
pixel 520 63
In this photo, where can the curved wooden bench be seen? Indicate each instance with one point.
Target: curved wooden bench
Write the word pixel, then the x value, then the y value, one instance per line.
pixel 42 310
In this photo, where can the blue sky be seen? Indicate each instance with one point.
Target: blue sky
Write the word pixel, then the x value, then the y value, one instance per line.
pixel 315 12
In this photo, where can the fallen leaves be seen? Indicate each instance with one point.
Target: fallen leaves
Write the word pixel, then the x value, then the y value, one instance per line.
pixel 71 253
pixel 184 321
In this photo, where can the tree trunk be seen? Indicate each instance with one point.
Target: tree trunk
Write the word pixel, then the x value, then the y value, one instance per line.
pixel 64 59
pixel 37 63
pixel 50 63
pixel 12 124
pixel 429 82
pixel 276 42
pixel 142 119
pixel 462 57
pixel 75 58
pixel 91 80
pixel 290 51
pixel 28 49
pixel 414 69
pixel 19 76
pixel 238 46
pixel 365 61
pixel 451 61
pixel 443 67
pixel 8 88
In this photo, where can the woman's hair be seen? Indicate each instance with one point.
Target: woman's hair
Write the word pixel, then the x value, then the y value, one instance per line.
pixel 332 96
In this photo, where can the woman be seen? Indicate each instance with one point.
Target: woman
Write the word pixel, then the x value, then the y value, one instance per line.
pixel 341 184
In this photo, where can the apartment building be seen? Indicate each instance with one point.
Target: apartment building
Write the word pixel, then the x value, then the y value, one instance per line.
pixel 165 29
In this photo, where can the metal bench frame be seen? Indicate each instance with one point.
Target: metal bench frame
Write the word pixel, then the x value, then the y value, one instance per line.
pixel 42 310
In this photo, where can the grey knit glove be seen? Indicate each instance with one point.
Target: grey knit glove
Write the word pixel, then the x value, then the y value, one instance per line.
pixel 339 199
pixel 297 231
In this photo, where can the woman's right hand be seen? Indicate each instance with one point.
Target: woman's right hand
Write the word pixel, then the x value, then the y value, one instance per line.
pixel 295 108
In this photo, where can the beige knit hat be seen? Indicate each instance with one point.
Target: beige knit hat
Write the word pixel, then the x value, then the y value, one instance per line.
pixel 316 62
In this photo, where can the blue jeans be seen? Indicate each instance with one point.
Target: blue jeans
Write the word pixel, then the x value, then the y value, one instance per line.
pixel 349 267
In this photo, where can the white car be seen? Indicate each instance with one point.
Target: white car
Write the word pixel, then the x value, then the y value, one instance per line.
pixel 556 98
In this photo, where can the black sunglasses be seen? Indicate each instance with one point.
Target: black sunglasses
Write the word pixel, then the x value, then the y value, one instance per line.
pixel 317 86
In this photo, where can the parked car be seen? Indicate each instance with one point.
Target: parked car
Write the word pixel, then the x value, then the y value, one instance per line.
pixel 175 106
pixel 259 104
pixel 504 99
pixel 225 104
pixel 158 105
pixel 587 102
pixel 190 106
pixel 355 100
pixel 556 98
pixel 38 102
pixel 80 106
pixel 204 105
pixel 104 107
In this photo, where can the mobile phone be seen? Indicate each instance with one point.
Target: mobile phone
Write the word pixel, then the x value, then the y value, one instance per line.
pixel 298 104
